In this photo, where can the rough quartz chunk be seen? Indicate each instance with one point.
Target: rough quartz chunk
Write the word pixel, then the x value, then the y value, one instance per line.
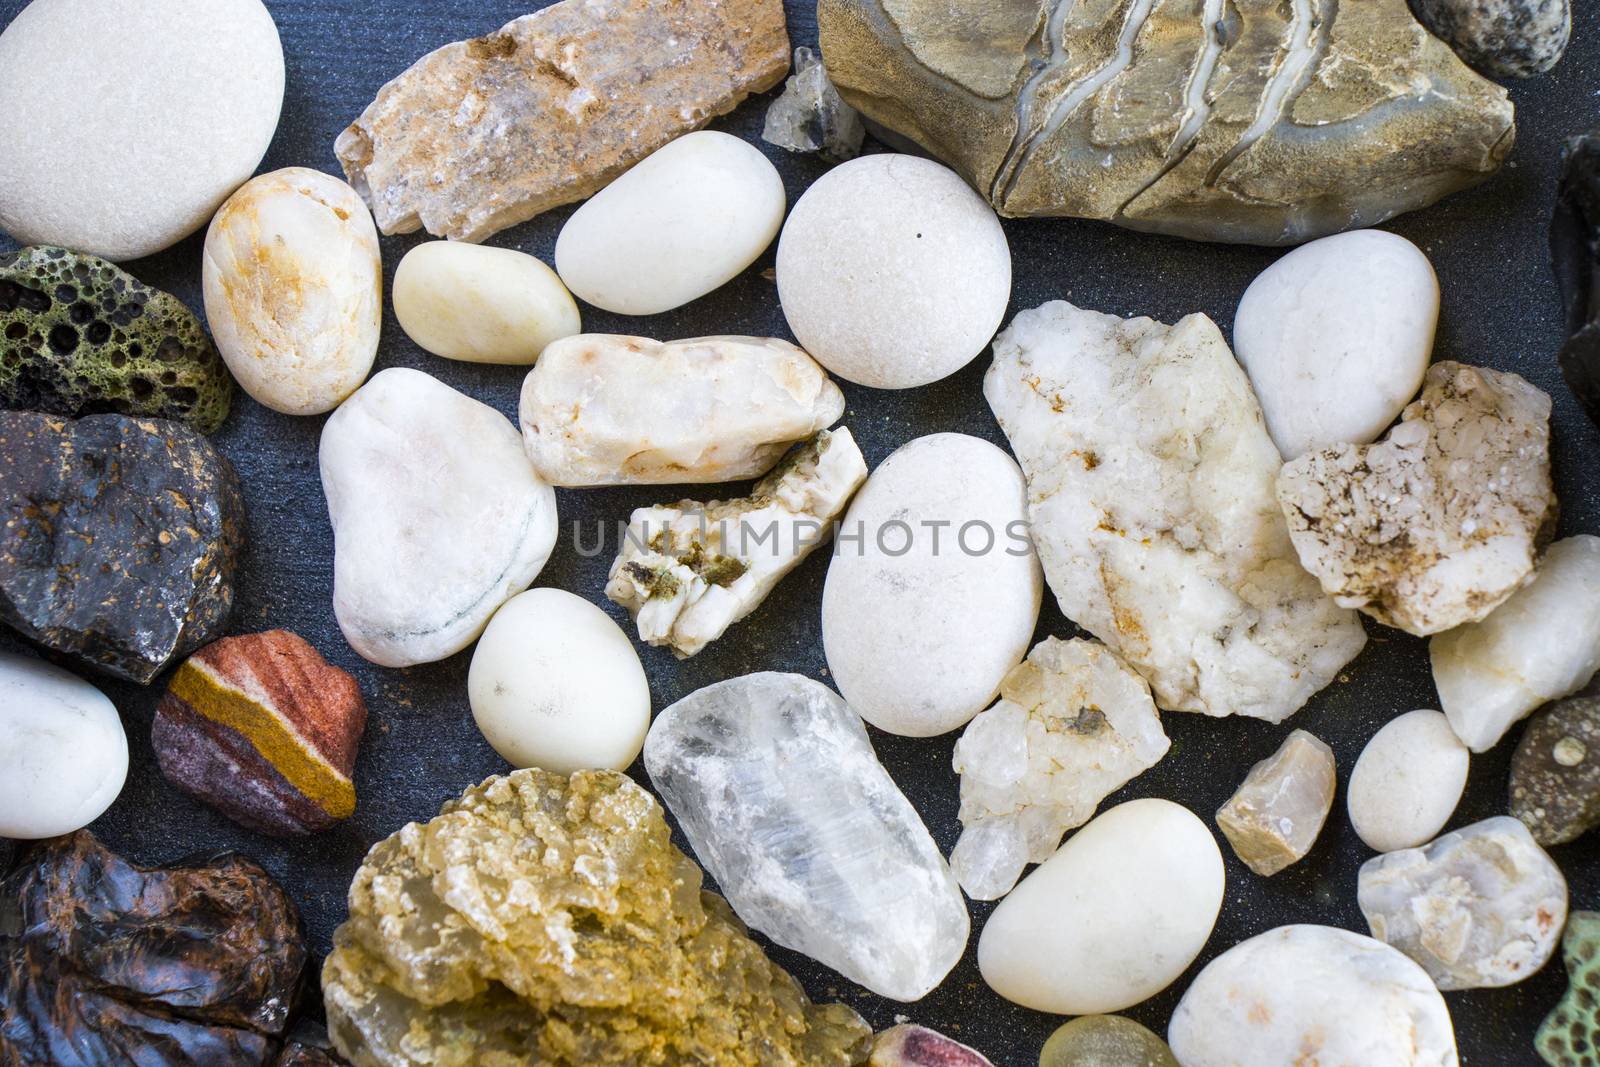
pixel 774 782
pixel 811 116
pixel 1275 816
pixel 601 409
pixel 688 571
pixel 1073 725
pixel 1478 908
pixel 1440 522
pixel 1150 477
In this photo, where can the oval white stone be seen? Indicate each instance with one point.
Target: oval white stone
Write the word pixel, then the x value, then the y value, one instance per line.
pixel 1407 782
pixel 481 304
pixel 293 285
pixel 1111 919
pixel 126 124
pixel 556 684
pixel 682 222
pixel 63 753
pixel 893 273
pixel 1336 337
pixel 1312 995
pixel 921 621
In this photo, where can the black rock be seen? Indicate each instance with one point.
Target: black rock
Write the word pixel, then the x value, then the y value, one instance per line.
pixel 1575 249
pixel 119 538
pixel 1501 38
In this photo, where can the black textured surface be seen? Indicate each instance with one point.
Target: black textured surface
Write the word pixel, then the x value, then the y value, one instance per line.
pixel 1501 309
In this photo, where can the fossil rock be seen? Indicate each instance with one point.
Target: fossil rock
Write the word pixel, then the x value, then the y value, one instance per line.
pixel 545 920
pixel 1274 817
pixel 1411 530
pixel 1150 469
pixel 1073 725
pixel 1575 249
pixel 103 962
pixel 119 538
pixel 1257 121
pixel 1555 773
pixel 1502 38
pixel 908 1045
pixel 688 571
pixel 811 116
pixel 483 134
pixel 1571 1033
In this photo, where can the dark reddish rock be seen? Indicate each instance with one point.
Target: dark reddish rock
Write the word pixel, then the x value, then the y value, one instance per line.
pixel 103 963
pixel 119 538
pixel 1555 773
pixel 1575 248
pixel 265 731
pixel 908 1045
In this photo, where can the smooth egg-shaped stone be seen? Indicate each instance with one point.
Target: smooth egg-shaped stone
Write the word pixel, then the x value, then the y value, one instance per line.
pixel 1336 337
pixel 63 753
pixel 293 282
pixel 480 304
pixel 681 223
pixel 1407 782
pixel 555 684
pixel 1105 1041
pixel 1113 918
pixel 934 589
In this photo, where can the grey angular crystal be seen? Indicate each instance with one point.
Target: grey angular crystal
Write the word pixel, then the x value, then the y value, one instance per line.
pixel 811 116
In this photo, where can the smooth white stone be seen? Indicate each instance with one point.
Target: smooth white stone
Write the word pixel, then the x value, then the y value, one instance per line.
pixel 1407 782
pixel 776 786
pixel 1151 494
pixel 481 304
pixel 1111 919
pixel 554 683
pixel 1074 724
pixel 438 517
pixel 893 273
pixel 921 622
pixel 685 220
pixel 1312 995
pixel 1541 645
pixel 293 282
pixel 600 409
pixel 1479 908
pixel 63 754
pixel 1336 336
pixel 126 124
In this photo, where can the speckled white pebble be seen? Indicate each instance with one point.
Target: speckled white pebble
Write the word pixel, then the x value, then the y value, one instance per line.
pixel 480 304
pixel 1407 782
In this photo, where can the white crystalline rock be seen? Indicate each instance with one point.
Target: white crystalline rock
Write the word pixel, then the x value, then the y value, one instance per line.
pixel 688 571
pixel 1478 908
pixel 1073 725
pixel 1439 522
pixel 776 786
pixel 1151 477
pixel 438 517
pixel 601 409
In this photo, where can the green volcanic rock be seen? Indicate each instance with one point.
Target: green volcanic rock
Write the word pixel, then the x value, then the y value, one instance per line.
pixel 1570 1034
pixel 80 336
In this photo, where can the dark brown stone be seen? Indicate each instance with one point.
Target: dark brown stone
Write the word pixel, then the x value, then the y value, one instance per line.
pixel 1555 773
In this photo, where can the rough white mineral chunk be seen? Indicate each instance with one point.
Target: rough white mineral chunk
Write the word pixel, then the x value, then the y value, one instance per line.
pixel 1541 645
pixel 1478 908
pixel 601 409
pixel 811 116
pixel 1275 816
pixel 688 571
pixel 1073 725
pixel 438 517
pixel 1439 522
pixel 777 788
pixel 1150 477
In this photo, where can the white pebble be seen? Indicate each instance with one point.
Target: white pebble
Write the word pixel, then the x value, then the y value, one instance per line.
pixel 1407 782
pixel 481 304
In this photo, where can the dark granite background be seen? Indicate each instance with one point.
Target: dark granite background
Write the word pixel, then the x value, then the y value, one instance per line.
pixel 1500 309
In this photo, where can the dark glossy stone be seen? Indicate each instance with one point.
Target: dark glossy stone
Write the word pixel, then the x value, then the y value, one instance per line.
pixel 80 336
pixel 103 963
pixel 119 538
pixel 1555 774
pixel 1575 249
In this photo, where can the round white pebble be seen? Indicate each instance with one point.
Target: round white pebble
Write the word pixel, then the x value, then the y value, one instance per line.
pixel 556 684
pixel 126 124
pixel 481 304
pixel 893 273
pixel 1407 782
pixel 682 222
pixel 63 754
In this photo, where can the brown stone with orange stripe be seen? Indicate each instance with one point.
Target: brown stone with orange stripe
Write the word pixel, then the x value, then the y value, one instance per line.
pixel 264 730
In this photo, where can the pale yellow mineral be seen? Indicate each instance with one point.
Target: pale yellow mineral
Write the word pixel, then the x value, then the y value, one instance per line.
pixel 1275 816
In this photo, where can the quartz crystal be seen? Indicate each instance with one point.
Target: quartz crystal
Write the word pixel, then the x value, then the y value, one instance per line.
pixel 810 115
pixel 1073 725
pixel 1440 522
pixel 688 571
pixel 546 921
pixel 1150 478
pixel 1275 816
pixel 774 782
pixel 1478 908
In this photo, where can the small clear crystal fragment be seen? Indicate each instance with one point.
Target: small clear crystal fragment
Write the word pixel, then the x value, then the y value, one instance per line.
pixel 811 116
pixel 1275 816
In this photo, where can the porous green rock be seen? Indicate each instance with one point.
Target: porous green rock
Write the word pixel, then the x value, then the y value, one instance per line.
pixel 80 336
pixel 1570 1036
